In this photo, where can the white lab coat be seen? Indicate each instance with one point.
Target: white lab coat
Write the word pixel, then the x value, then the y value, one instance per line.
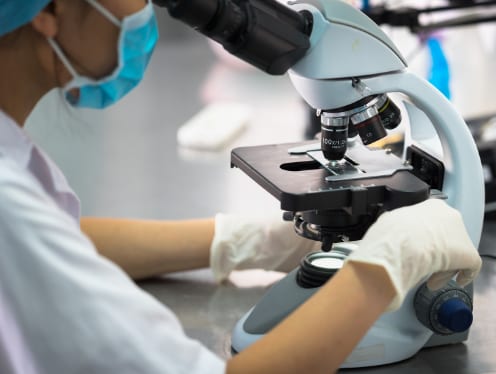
pixel 63 308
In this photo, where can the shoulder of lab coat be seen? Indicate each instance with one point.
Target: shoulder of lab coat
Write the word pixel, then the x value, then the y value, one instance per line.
pixel 17 146
pixel 65 309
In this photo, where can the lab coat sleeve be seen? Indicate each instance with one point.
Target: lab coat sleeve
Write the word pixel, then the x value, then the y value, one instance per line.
pixel 65 309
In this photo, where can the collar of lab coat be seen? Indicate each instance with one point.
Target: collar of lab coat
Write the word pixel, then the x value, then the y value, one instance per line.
pixel 18 146
pixel 14 142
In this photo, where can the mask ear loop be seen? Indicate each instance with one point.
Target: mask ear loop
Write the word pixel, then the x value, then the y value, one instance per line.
pixel 63 58
pixel 105 12
pixel 65 61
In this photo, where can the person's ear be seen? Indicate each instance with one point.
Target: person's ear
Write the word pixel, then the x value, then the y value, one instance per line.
pixel 46 23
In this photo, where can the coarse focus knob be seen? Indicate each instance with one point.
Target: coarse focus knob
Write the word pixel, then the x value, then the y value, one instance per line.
pixel 455 315
pixel 446 311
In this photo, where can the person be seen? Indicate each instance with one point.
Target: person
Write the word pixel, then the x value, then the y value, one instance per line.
pixel 67 300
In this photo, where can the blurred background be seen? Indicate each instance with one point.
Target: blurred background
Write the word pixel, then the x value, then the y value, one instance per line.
pixel 126 161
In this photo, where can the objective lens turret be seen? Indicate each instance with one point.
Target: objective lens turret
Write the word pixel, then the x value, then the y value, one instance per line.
pixel 369 118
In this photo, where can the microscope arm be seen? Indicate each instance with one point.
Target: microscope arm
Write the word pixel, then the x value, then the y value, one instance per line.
pixel 464 180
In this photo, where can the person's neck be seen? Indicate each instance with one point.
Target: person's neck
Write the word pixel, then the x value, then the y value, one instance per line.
pixel 18 104
pixel 23 81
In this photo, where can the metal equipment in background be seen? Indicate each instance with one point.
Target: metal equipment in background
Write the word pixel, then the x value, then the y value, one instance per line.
pixel 476 12
pixel 481 12
pixel 346 68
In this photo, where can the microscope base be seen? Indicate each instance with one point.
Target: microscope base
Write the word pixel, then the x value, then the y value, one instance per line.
pixel 394 337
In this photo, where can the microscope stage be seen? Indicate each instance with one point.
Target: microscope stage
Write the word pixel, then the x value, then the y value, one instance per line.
pixel 306 181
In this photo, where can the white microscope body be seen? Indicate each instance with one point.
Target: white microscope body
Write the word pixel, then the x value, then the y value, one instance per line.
pixel 351 58
pixel 348 46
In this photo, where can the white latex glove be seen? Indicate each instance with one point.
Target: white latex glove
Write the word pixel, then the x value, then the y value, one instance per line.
pixel 242 242
pixel 411 243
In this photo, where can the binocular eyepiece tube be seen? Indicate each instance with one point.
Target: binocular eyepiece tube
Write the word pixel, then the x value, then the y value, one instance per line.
pixel 265 33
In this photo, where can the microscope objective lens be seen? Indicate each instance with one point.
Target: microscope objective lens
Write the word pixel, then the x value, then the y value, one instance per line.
pixel 334 137
pixel 369 118
pixel 371 130
pixel 389 112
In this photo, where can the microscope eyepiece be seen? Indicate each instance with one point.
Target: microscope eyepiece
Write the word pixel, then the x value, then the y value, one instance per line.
pixel 264 33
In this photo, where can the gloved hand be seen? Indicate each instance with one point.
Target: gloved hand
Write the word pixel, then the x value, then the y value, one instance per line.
pixel 411 243
pixel 242 242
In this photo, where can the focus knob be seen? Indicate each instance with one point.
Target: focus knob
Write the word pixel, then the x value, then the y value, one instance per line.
pixel 455 315
pixel 446 311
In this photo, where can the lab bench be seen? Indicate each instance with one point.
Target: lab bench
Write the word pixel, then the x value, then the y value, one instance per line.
pixel 209 312
pixel 125 162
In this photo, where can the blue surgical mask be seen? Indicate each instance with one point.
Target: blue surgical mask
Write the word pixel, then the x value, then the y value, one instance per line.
pixel 137 40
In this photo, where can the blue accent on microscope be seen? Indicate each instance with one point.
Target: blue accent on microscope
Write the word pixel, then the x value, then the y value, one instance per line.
pixel 455 315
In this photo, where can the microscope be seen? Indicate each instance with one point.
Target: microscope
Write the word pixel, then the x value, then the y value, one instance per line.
pixel 346 68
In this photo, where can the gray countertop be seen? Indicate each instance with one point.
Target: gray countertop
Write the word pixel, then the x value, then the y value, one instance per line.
pixel 209 312
pixel 125 162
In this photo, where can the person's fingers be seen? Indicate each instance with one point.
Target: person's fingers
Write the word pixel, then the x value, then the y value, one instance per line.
pixel 463 277
pixel 466 276
pixel 439 280
pixel 469 266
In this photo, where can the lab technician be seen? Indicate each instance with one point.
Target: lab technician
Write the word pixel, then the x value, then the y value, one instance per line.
pixel 66 302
